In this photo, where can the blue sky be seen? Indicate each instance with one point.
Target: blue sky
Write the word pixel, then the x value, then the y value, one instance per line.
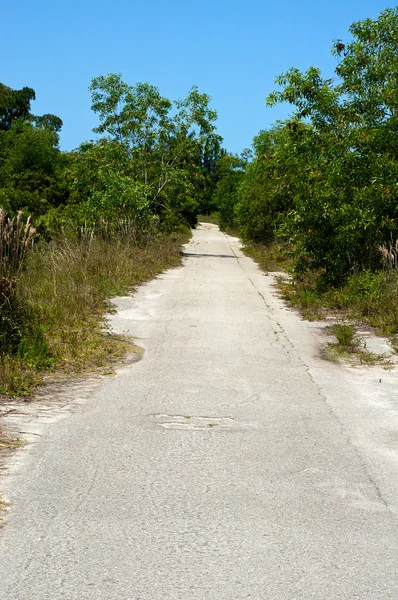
pixel 231 50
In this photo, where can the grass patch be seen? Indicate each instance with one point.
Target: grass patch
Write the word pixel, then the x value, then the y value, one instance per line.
pixel 63 294
pixel 229 230
pixel 269 257
pixel 305 300
pixel 348 345
pixel 213 218
pixel 16 378
pixel 346 338
pixel 370 358
pixel 11 443
pixel 3 509
pixel 371 298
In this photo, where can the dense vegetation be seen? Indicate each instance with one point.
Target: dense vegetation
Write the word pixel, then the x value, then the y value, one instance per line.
pixel 77 227
pixel 155 164
pixel 324 183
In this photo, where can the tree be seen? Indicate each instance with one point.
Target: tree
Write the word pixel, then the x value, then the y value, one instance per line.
pixel 346 205
pixel 31 164
pixel 167 142
pixel 102 186
pixel 230 172
pixel 14 105
pixel 31 169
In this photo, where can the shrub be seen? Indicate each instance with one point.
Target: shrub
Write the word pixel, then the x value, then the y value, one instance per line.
pixel 345 336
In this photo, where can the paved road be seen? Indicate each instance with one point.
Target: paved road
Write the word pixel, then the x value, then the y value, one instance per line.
pixel 231 462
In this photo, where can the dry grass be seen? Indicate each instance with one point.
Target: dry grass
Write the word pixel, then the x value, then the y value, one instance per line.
pixel 269 257
pixel 15 238
pixel 213 218
pixel 389 255
pixel 64 291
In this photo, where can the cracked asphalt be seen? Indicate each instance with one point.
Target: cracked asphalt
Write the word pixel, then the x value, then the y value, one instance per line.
pixel 231 462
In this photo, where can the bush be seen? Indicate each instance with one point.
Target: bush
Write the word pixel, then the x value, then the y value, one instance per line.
pixel 345 336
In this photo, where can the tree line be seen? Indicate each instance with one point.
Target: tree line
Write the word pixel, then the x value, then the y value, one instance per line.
pixel 153 164
pixel 324 182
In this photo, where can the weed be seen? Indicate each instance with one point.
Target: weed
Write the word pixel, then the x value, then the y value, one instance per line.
pixel 349 345
pixel 304 298
pixel 371 358
pixel 11 443
pixel 16 379
pixel 212 218
pixel 15 239
pixel 35 353
pixel 3 509
pixel 346 337
pixel 389 255
pixel 269 257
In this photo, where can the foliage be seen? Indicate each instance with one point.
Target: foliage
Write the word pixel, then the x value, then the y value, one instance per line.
pixel 31 168
pixel 100 213
pixel 324 181
pixel 102 193
pixel 345 336
pixel 171 146
pixel 14 105
pixel 230 171
pixel 156 165
pixel 270 257
pixel 31 164
pixel 271 181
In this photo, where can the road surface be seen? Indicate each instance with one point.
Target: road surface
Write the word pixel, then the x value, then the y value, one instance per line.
pixel 231 462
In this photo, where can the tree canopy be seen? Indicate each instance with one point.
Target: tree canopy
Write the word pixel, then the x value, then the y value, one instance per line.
pixel 325 180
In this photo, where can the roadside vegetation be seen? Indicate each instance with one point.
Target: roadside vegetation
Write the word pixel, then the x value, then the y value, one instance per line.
pixel 318 194
pixel 77 228
pixel 57 317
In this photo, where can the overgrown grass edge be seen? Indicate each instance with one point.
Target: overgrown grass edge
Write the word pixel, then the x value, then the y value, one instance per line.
pixel 62 301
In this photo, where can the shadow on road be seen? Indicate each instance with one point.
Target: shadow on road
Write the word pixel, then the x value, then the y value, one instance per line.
pixel 211 255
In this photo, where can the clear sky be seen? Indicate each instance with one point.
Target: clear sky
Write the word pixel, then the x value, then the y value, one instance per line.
pixel 231 49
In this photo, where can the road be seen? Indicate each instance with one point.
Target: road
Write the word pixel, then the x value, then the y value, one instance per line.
pixel 231 462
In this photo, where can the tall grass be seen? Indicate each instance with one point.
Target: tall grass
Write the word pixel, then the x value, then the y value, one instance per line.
pixel 389 255
pixel 212 218
pixel 64 289
pixel 270 257
pixel 15 239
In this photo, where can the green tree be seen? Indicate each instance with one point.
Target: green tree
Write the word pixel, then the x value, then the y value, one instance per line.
pixel 14 105
pixel 31 164
pixel 230 173
pixel 31 169
pixel 168 142
pixel 103 193
pixel 346 205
